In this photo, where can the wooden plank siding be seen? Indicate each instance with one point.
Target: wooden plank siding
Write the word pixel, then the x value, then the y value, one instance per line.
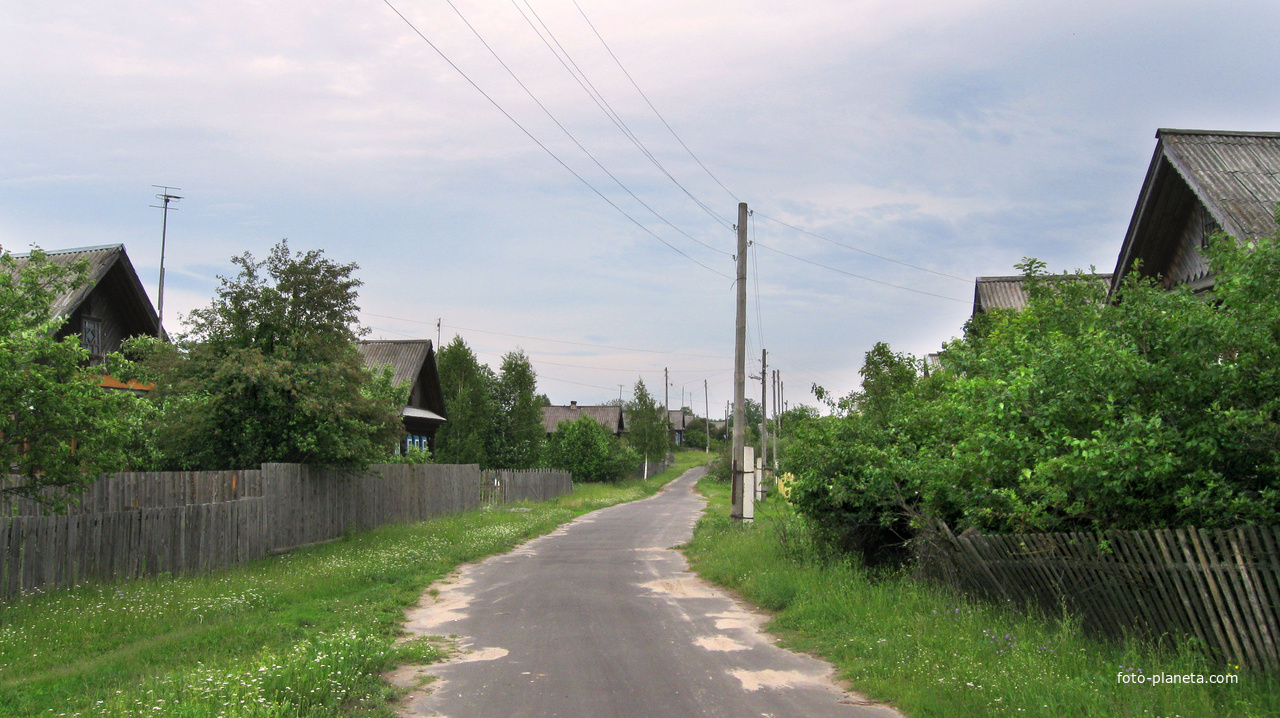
pixel 137 524
pixel 1220 587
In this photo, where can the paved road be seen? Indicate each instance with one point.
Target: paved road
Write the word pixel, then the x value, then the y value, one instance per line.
pixel 601 618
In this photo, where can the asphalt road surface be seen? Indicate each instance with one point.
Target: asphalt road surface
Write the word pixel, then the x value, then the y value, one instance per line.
pixel 602 618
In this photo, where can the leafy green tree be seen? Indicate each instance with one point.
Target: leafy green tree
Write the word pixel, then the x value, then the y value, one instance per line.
pixel 584 448
pixel 648 431
pixel 269 372
pixel 1157 409
pixel 518 423
pixel 468 437
pixel 58 428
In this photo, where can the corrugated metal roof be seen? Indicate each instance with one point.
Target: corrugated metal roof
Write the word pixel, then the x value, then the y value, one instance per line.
pixel 676 417
pixel 100 258
pixel 998 293
pixel 610 417
pixel 405 356
pixel 1008 292
pixel 1235 174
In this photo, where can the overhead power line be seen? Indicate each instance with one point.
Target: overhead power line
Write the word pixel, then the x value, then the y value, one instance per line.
pixel 650 104
pixel 547 339
pixel 598 97
pixel 539 143
pixel 570 135
pixel 859 276
pixel 863 251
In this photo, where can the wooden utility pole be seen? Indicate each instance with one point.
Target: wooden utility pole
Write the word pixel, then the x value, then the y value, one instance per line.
pixel 740 368
pixel 764 409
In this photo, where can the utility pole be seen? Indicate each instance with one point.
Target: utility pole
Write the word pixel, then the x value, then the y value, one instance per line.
pixel 165 197
pixel 666 401
pixel 706 407
pixel 438 333
pixel 740 368
pixel 764 409
pixel 777 418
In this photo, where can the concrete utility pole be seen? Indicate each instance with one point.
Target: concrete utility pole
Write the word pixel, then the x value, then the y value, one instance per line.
pixel 706 407
pixel 777 418
pixel 165 197
pixel 740 368
pixel 764 408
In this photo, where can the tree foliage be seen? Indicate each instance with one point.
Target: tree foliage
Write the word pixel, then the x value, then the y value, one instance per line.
pixel 584 448
pixel 269 372
pixel 648 430
pixel 1157 409
pixel 518 426
pixel 58 428
pixel 467 436
pixel 494 420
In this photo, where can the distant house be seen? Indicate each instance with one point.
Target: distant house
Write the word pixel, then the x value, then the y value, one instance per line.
pixel 1199 183
pixel 677 421
pixel 109 309
pixel 609 416
pixel 1009 293
pixel 412 362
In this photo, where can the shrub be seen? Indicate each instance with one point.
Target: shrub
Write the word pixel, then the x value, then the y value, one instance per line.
pixel 583 448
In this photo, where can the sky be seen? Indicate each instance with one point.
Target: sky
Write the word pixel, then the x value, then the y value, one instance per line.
pixel 563 178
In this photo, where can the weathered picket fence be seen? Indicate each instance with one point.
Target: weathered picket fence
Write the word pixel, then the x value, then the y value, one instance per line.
pixel 507 486
pixel 136 524
pixel 1222 587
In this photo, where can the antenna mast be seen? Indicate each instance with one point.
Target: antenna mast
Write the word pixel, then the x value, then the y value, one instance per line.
pixel 166 198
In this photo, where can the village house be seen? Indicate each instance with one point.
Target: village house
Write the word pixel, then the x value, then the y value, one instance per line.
pixel 611 417
pixel 413 363
pixel 110 308
pixel 1199 183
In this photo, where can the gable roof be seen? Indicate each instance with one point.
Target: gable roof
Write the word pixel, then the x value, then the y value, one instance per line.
pixel 1009 293
pixel 1232 179
pixel 609 416
pixel 406 357
pixel 413 364
pixel 102 259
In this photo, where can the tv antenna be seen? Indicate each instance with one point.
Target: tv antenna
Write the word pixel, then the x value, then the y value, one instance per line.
pixel 166 197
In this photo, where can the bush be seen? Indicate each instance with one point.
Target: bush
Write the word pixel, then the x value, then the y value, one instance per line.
pixel 583 448
pixel 1157 410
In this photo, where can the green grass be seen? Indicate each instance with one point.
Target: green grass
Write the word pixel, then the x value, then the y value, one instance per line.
pixel 305 634
pixel 929 652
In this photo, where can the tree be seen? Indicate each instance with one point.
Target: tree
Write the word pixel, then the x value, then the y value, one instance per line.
pixel 269 372
pixel 584 448
pixel 468 435
pixel 58 428
pixel 519 421
pixel 648 431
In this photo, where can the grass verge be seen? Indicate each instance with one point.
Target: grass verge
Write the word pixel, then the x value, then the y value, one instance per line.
pixel 305 634
pixel 930 653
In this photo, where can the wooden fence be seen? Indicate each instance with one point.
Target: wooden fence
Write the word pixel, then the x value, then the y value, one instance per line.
pixel 1222 587
pixel 136 524
pixel 504 486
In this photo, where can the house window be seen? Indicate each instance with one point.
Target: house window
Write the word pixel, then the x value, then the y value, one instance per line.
pixel 91 336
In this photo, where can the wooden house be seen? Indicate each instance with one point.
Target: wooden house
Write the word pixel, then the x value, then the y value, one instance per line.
pixel 1198 183
pixel 610 416
pixel 110 308
pixel 676 420
pixel 413 363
